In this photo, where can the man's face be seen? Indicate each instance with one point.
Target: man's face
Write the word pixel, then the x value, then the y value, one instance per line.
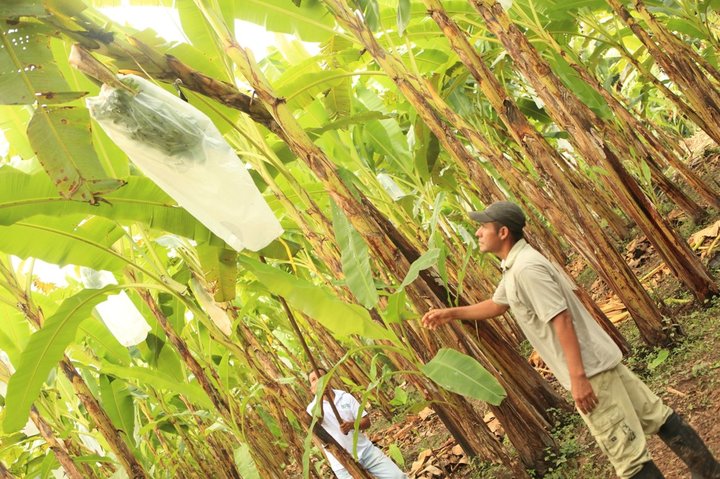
pixel 314 380
pixel 489 237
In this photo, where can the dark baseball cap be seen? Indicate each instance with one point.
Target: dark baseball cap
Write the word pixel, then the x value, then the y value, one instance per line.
pixel 506 213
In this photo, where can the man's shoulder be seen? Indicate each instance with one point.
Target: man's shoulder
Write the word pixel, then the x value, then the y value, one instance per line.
pixel 341 395
pixel 529 258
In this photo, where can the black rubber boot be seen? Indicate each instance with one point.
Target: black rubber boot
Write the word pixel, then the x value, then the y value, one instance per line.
pixel 649 471
pixel 688 446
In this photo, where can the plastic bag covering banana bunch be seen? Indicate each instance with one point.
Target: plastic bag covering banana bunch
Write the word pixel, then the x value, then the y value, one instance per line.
pixel 181 150
pixel 118 312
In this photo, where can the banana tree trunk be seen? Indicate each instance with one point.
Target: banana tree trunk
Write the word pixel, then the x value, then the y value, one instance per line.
pixel 587 132
pixel 186 356
pixel 4 472
pixel 223 460
pixel 208 466
pixel 57 447
pixel 630 124
pixel 702 95
pixel 102 421
pixel 458 415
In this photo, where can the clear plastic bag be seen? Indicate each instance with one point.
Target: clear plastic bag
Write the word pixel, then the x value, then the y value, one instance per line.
pixel 181 150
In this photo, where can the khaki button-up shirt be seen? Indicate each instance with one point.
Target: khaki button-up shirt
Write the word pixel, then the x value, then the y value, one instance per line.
pixel 537 292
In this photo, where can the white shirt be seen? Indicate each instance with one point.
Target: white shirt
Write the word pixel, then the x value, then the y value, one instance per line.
pixel 348 408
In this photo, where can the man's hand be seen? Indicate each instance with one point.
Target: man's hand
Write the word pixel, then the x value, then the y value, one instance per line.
pixel 583 394
pixel 435 318
pixel 347 426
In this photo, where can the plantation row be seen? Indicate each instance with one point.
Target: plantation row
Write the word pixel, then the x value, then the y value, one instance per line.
pixel 369 153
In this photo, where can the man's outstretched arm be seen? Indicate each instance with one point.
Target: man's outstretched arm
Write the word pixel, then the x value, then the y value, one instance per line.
pixel 484 310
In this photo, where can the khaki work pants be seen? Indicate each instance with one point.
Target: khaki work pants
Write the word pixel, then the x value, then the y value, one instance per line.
pixel 627 411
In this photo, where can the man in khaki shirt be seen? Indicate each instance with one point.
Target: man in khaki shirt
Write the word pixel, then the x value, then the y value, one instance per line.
pixel 619 409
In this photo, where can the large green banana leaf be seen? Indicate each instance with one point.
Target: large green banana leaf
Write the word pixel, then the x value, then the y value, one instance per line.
pixel 43 352
pixel 355 260
pixel 14 333
pixel 318 302
pixel 158 379
pixel 459 373
pixel 104 343
pixel 23 196
pixel 311 22
pixel 28 72
pixel 220 270
pixel 118 403
pixel 61 241
pixel 62 140
pixel 16 8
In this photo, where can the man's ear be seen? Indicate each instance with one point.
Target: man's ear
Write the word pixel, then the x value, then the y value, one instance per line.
pixel 504 232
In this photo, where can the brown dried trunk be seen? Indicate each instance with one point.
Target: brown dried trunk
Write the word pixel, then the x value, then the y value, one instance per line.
pixel 102 421
pixel 631 127
pixel 678 64
pixel 57 447
pixel 455 412
pixel 588 132
pixel 4 472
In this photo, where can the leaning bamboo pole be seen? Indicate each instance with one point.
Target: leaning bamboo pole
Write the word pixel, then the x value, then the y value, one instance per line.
pixel 597 143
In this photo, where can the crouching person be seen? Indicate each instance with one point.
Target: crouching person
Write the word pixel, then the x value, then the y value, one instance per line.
pixel 370 457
